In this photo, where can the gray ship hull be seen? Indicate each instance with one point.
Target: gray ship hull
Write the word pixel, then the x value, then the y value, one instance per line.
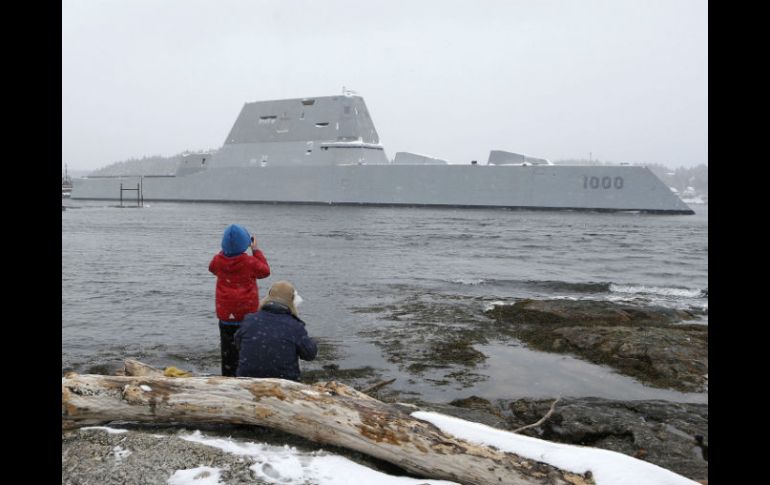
pixel 611 188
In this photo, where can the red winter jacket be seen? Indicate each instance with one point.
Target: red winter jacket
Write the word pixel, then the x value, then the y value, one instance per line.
pixel 237 293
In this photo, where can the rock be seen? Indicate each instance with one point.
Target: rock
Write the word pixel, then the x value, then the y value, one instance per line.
pixel 473 402
pixel 438 339
pixel 642 342
pixel 586 312
pixel 671 435
pixel 673 357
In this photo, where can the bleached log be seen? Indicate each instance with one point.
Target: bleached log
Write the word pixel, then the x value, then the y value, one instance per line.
pixel 328 413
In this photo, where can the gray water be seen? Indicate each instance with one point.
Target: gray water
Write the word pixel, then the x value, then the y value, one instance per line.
pixel 135 281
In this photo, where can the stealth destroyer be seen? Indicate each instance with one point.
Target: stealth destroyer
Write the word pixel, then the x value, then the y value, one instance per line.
pixel 326 150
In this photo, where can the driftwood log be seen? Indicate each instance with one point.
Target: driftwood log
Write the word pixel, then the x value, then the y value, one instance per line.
pixel 329 413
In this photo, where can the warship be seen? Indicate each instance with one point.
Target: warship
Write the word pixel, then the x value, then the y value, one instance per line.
pixel 325 150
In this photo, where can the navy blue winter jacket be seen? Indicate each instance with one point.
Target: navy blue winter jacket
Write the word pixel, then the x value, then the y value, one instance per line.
pixel 269 343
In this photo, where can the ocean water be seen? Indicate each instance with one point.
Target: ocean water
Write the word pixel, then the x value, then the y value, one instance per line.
pixel 135 281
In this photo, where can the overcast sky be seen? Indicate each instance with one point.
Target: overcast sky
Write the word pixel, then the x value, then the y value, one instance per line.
pixel 622 80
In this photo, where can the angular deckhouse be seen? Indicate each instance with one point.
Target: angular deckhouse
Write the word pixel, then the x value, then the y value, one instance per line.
pixel 326 150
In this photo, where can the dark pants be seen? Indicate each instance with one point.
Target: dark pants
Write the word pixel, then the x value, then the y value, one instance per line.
pixel 229 352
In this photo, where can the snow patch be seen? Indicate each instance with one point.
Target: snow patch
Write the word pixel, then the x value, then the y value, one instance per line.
pixel 105 428
pixel 203 475
pixel 607 467
pixel 120 453
pixel 288 466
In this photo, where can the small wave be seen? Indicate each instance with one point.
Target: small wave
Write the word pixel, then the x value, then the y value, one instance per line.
pixel 490 305
pixel 337 234
pixel 556 286
pixel 550 285
pixel 659 290
pixel 471 281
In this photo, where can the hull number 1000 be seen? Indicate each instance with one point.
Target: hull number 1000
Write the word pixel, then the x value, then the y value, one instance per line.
pixel 602 182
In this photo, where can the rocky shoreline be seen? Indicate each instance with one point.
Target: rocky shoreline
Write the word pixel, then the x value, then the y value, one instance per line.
pixel 671 435
pixel 656 345
pixel 151 454
pixel 648 343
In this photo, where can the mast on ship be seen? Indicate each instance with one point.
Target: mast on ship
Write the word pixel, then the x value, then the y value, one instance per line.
pixel 66 181
pixel 66 184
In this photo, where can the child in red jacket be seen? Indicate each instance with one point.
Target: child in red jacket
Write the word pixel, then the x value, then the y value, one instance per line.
pixel 237 293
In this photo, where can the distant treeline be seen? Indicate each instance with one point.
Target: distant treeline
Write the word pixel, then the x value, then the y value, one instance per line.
pixel 150 165
pixel 680 178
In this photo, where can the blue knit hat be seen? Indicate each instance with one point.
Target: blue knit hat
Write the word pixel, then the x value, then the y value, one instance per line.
pixel 236 240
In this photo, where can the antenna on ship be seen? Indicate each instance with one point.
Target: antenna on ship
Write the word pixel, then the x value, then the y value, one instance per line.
pixel 348 92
